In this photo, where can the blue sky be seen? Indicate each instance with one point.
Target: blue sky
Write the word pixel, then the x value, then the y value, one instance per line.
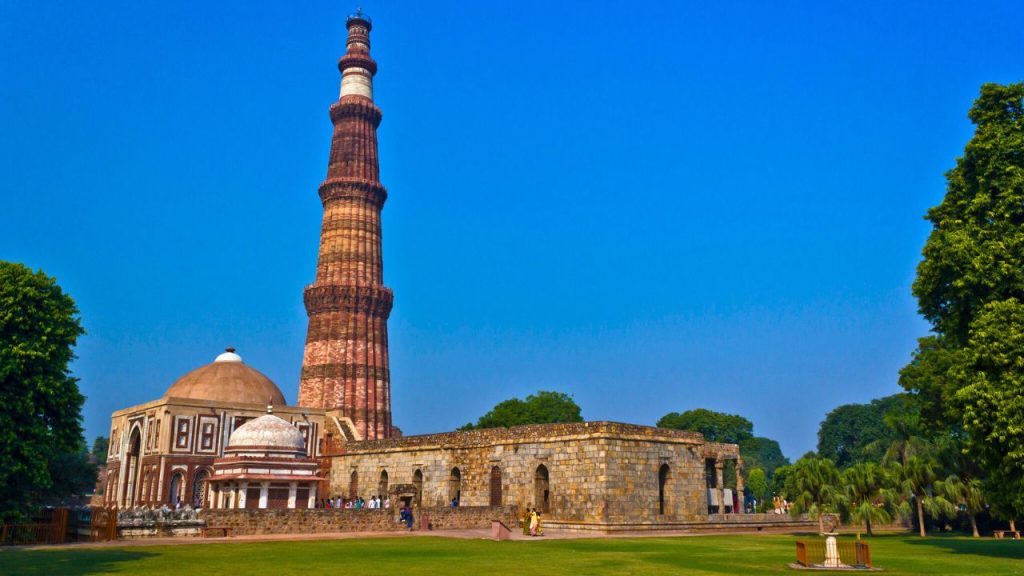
pixel 650 206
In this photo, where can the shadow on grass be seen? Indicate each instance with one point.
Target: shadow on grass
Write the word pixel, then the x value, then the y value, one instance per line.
pixel 1012 549
pixel 67 562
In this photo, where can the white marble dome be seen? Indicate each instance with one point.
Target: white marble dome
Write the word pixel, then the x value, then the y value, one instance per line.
pixel 268 432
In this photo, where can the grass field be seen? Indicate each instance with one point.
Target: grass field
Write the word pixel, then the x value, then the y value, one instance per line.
pixel 450 556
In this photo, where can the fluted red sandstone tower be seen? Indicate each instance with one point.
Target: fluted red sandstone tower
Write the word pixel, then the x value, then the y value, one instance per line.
pixel 345 364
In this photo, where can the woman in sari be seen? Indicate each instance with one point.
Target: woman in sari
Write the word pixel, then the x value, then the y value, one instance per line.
pixel 534 520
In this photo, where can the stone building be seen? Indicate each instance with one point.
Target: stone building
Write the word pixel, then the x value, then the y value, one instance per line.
pixel 340 440
pixel 162 452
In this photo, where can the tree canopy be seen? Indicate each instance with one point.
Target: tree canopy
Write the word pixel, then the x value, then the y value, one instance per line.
pixel 757 452
pixel 854 433
pixel 40 405
pixel 715 426
pixel 968 375
pixel 544 407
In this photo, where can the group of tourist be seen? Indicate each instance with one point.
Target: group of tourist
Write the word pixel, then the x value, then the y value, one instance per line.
pixel 531 523
pixel 357 503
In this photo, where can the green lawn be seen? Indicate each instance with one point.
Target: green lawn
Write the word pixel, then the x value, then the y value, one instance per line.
pixel 449 556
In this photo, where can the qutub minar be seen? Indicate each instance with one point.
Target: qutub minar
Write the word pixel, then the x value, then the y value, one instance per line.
pixel 213 442
pixel 346 361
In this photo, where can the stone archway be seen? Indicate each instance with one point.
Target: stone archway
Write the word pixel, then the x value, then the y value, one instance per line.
pixel 174 493
pixel 382 485
pixel 199 488
pixel 353 485
pixel 417 481
pixel 495 486
pixel 542 489
pixel 664 484
pixel 455 486
pixel 133 465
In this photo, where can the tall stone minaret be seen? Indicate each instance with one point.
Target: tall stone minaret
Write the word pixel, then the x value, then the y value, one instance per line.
pixel 345 364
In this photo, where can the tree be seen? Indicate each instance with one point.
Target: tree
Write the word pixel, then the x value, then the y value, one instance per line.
pixel 540 408
pixel 757 485
pixel 100 446
pixel 715 426
pixel 814 487
pixel 865 497
pixel 993 401
pixel 40 405
pixel 966 495
pixel 764 453
pixel 853 432
pixel 970 286
pixel 916 480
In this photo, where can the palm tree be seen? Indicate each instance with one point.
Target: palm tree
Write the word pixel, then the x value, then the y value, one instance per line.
pixel 966 494
pixel 916 479
pixel 865 497
pixel 814 487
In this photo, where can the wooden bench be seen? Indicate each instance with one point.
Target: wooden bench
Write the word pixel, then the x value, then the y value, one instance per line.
pixel 205 531
pixel 1000 534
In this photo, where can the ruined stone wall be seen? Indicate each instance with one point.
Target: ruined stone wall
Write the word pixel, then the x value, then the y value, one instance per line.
pixel 319 521
pixel 596 471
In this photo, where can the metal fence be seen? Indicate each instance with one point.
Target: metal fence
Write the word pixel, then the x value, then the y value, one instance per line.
pixel 853 553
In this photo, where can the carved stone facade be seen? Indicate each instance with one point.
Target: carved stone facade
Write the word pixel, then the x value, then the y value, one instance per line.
pixel 345 365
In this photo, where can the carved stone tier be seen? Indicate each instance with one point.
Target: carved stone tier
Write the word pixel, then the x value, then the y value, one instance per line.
pixel 372 300
pixel 358 60
pixel 353 189
pixel 355 106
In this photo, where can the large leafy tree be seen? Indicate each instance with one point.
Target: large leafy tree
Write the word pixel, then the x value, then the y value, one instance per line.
pixel 970 285
pixel 764 453
pixel 715 426
pixel 541 408
pixel 855 433
pixel 40 405
pixel 757 451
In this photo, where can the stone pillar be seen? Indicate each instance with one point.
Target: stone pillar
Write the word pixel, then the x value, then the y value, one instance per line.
pixel 312 495
pixel 291 494
pixel 720 484
pixel 264 494
pixel 241 491
pixel 740 497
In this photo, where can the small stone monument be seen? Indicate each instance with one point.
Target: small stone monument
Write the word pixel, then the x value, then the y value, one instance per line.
pixel 830 523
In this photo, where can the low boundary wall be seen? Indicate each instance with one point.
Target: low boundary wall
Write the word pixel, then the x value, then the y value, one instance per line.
pixel 320 520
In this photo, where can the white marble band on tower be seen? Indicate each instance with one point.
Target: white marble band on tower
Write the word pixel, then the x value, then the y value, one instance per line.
pixel 357 81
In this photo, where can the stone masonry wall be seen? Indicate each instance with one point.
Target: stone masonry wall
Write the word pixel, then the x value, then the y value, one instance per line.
pixel 319 521
pixel 596 471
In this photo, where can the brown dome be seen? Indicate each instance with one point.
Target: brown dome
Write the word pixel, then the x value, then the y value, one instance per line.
pixel 227 379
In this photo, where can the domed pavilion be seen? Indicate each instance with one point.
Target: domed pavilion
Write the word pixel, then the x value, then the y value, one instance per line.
pixel 265 465
pixel 163 451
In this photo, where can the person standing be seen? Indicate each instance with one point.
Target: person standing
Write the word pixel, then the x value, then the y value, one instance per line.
pixel 534 521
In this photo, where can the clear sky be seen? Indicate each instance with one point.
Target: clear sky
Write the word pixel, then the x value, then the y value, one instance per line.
pixel 650 206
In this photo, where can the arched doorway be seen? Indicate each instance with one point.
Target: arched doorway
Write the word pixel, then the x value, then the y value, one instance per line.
pixel 132 468
pixel 664 475
pixel 417 481
pixel 199 488
pixel 382 486
pixel 495 486
pixel 174 494
pixel 353 485
pixel 542 489
pixel 455 486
